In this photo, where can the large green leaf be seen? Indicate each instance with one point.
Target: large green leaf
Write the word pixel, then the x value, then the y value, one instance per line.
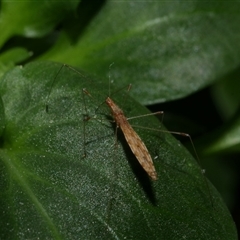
pixel 166 50
pixel 49 189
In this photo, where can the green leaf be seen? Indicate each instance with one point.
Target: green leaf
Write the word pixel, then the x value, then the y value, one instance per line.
pixel 49 189
pixel 167 51
pixel 226 95
pixel 9 58
pixel 32 18
pixel 224 139
pixel 2 117
pixel 20 21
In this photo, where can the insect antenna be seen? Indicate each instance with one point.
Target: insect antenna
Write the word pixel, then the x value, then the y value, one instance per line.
pixel 54 80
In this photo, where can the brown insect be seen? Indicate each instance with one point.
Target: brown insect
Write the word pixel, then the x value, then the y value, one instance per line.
pixel 134 141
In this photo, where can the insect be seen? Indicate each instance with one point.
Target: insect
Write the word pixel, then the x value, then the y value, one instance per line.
pixel 134 141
